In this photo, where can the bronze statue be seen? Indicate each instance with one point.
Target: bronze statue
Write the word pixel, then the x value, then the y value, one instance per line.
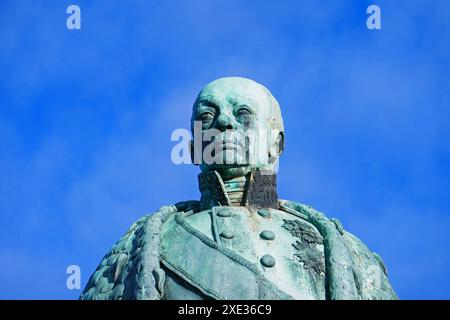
pixel 239 241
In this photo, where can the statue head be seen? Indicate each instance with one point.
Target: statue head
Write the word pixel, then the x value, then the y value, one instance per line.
pixel 240 125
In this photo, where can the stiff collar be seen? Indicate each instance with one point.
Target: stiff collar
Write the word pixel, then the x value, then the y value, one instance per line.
pixel 260 190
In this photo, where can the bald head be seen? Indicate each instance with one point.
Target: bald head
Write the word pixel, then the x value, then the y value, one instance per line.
pixel 236 91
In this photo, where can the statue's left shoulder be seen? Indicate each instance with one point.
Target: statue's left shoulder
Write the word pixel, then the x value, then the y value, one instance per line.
pixel 367 277
pixel 369 270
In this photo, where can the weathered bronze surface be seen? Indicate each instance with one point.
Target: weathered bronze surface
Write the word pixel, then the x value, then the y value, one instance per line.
pixel 239 241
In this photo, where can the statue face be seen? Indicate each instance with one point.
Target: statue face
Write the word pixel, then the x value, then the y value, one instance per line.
pixel 241 126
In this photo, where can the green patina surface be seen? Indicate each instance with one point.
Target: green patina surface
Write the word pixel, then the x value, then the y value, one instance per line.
pixel 234 243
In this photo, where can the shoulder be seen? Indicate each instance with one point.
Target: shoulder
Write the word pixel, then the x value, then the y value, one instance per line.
pixel 116 276
pixel 327 225
pixel 369 271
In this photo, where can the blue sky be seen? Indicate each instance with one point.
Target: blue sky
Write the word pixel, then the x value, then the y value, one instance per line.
pixel 86 118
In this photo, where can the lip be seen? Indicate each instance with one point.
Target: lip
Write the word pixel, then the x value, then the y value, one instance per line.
pixel 227 142
pixel 231 145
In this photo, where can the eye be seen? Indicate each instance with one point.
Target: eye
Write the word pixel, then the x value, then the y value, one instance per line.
pixel 207 116
pixel 243 111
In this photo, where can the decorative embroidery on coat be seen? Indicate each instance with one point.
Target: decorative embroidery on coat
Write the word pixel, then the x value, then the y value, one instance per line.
pixel 311 257
pixel 307 252
pixel 303 231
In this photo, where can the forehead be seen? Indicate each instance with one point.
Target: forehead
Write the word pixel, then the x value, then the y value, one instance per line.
pixel 232 92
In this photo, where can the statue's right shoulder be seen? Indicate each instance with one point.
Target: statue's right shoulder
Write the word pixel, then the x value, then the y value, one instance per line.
pixel 130 270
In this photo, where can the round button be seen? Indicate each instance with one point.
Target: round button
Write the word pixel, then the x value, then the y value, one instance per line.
pixel 224 213
pixel 264 213
pixel 227 234
pixel 267 235
pixel 267 261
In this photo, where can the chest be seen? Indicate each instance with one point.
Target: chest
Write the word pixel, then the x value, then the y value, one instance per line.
pixel 285 249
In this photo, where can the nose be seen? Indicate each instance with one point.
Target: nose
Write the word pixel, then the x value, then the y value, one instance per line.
pixel 224 122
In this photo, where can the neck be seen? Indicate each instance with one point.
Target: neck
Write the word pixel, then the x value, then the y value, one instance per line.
pixel 235 189
pixel 256 189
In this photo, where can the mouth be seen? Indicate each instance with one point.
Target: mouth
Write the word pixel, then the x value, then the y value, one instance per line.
pixel 227 145
pixel 231 146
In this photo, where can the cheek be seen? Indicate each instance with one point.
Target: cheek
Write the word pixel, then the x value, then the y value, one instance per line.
pixel 258 145
pixel 249 123
pixel 208 124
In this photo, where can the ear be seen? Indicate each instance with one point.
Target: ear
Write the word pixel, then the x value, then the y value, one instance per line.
pixel 277 147
pixel 191 152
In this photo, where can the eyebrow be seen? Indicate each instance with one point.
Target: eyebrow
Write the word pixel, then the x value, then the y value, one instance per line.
pixel 210 100
pixel 208 105
pixel 240 100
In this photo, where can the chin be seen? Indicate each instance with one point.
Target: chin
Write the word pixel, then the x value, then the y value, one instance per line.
pixel 229 171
